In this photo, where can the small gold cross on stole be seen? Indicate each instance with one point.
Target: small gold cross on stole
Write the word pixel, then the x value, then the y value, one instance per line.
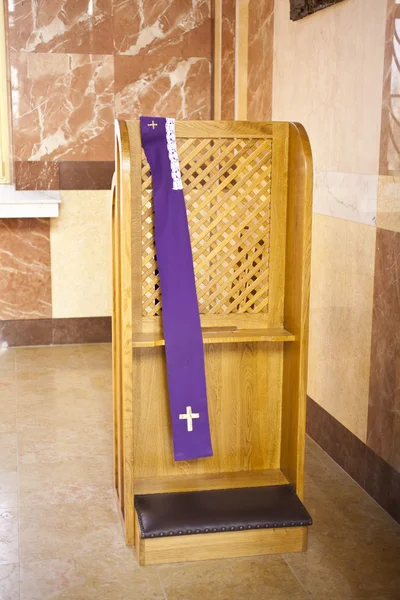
pixel 189 416
pixel 152 125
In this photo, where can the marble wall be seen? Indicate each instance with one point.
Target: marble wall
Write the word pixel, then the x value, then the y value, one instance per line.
pixel 228 41
pixel 74 68
pixel 260 60
pixel 348 100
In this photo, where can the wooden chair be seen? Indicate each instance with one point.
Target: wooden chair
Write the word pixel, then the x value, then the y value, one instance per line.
pixel 248 192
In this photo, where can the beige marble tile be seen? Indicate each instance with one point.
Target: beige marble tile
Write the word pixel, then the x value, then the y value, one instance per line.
pixel 111 575
pixel 348 196
pixel 7 360
pixel 68 530
pixel 8 401
pixel 8 499
pixel 98 356
pixel 8 536
pixel 43 358
pixel 322 80
pixel 342 273
pixel 9 582
pixel 100 380
pixel 72 406
pixel 74 481
pixel 348 554
pixel 335 575
pixel 56 442
pixel 8 451
pixel 80 242
pixel 8 481
pixel 388 216
pixel 96 351
pixel 251 578
pixel 8 415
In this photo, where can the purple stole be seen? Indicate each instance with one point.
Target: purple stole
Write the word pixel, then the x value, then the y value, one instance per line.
pixel 180 311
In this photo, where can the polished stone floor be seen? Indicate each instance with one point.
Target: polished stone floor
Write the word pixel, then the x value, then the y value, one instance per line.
pixel 59 531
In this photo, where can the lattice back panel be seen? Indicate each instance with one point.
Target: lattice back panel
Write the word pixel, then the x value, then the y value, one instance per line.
pixel 227 188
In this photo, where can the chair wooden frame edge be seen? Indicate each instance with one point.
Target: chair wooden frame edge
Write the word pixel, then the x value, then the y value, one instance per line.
pixel 122 328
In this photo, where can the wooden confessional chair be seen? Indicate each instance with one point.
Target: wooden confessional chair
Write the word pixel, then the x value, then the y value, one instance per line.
pixel 248 192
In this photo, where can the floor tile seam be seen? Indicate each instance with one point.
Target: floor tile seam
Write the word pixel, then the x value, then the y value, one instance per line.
pixel 66 425
pixel 18 474
pixel 83 357
pixel 103 503
pixel 296 576
pixel 161 583
pixel 19 580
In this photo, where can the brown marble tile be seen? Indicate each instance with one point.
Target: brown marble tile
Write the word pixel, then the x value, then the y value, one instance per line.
pixel 382 482
pixel 168 29
pixel 340 443
pixel 260 59
pixel 63 26
pixel 8 332
pixel 25 277
pixel 85 330
pixel 86 175
pixel 228 36
pixel 388 209
pixel 169 87
pixel 389 160
pixel 368 469
pixel 63 106
pixel 37 175
pixel 26 332
pixel 44 332
pixel 384 397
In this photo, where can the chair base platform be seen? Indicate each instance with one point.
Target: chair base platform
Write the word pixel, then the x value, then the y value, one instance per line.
pixel 211 546
pixel 226 523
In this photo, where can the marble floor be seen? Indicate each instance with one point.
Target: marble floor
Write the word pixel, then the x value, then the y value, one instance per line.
pixel 60 535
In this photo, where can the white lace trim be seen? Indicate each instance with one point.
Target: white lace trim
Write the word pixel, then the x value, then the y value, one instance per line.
pixel 173 154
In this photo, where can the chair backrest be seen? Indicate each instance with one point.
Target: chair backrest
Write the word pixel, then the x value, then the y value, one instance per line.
pixel 234 178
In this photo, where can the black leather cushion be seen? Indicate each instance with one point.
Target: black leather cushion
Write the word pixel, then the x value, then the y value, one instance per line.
pixel 185 513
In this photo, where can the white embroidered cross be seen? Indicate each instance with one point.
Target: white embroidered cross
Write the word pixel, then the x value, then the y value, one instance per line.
pixel 189 415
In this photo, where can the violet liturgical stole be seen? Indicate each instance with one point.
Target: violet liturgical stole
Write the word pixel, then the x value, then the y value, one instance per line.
pixel 180 310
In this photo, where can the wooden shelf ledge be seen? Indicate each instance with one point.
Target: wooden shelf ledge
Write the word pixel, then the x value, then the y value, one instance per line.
pixel 220 336
pixel 208 481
